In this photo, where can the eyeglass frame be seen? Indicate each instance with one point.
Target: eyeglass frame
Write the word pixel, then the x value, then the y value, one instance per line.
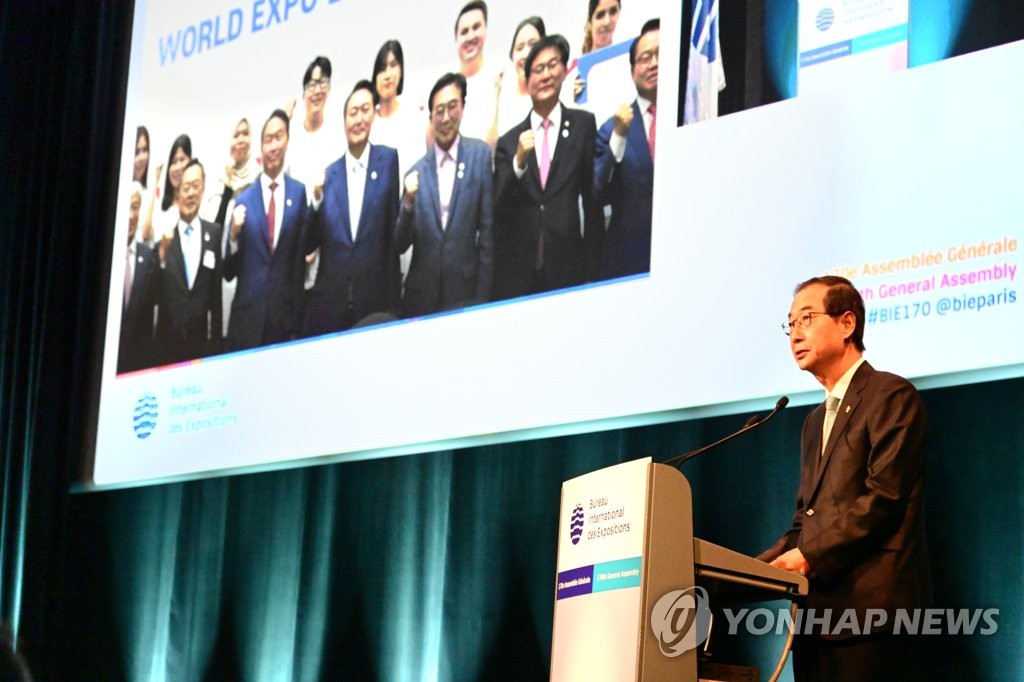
pixel 805 319
pixel 322 83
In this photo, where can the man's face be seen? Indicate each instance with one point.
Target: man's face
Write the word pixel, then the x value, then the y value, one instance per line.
pixel 470 35
pixel 273 146
pixel 645 69
pixel 190 192
pixel 821 345
pixel 546 75
pixel 358 117
pixel 315 93
pixel 133 216
pixel 446 115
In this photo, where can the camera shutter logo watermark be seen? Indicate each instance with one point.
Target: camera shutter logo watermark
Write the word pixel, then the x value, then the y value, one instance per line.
pixel 144 417
pixel 576 524
pixel 681 620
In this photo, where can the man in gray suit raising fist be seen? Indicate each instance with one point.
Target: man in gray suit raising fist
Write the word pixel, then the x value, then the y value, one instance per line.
pixel 447 212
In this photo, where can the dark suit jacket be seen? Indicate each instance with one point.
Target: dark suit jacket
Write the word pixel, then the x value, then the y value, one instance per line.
pixel 859 513
pixel 451 266
pixel 362 277
pixel 136 349
pixel 628 187
pixel 189 321
pixel 266 304
pixel 524 211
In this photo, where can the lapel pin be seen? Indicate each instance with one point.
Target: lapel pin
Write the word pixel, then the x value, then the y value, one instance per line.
pixel 373 175
pixel 287 202
pixel 460 174
pixel 462 165
pixel 206 236
pixel 140 259
pixel 565 133
pixel 565 123
pixel 847 409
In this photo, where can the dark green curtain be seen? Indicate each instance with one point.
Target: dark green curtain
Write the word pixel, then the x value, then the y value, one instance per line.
pixel 430 567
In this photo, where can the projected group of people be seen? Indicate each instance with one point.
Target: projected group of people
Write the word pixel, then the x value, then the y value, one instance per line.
pixel 302 242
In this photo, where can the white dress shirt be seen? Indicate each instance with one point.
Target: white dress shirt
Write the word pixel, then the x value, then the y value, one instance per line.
pixel 356 186
pixel 445 161
pixel 553 133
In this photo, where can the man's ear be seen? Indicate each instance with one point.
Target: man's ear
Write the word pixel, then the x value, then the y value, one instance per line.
pixel 849 322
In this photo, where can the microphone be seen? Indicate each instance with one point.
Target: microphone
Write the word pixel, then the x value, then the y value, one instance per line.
pixel 754 421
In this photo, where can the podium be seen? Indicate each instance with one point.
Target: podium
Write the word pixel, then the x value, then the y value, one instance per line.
pixel 634 587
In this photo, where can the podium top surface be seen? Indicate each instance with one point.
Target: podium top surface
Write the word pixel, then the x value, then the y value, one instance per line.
pixel 737 576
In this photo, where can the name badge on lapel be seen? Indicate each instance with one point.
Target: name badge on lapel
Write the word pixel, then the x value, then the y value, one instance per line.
pixel 209 259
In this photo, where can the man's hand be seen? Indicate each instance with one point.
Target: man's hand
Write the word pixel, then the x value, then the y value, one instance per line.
pixel 237 220
pixel 794 561
pixel 165 244
pixel 526 145
pixel 623 117
pixel 412 186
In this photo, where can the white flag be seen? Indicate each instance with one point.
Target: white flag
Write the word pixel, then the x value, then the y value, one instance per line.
pixel 705 77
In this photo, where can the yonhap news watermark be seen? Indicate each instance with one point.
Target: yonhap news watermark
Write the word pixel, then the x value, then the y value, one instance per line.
pixel 850 622
pixel 681 620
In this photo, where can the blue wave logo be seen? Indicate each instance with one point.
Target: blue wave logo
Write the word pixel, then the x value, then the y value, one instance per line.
pixel 824 19
pixel 144 418
pixel 576 524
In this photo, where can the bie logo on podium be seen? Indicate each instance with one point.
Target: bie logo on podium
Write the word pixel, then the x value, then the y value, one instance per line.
pixel 576 524
pixel 681 620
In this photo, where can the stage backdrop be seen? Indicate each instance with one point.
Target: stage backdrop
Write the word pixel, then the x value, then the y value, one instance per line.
pixel 438 567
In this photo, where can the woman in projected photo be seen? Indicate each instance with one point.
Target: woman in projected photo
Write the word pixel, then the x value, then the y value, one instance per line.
pixel 141 168
pixel 164 221
pixel 514 101
pixel 598 33
pixel 399 123
pixel 239 172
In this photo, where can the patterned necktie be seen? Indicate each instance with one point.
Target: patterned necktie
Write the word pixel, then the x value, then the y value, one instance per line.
pixel 545 154
pixel 654 125
pixel 272 215
pixel 831 410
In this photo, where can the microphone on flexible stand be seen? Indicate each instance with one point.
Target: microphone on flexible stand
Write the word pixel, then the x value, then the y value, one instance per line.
pixel 754 421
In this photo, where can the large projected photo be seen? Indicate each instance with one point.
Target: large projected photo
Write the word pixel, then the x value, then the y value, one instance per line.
pixel 323 252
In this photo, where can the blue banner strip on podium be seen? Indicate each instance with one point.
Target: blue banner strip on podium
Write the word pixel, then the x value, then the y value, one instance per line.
pixel 574 582
pixel 617 575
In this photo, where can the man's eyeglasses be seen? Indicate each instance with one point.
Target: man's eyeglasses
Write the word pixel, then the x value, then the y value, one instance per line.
pixel 551 65
pixel 803 321
pixel 318 84
pixel 646 58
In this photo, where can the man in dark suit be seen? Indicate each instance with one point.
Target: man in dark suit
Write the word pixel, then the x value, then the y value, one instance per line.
pixel 189 319
pixel 447 212
pixel 142 271
pixel 353 225
pixel 624 165
pixel 543 171
pixel 858 530
pixel 265 249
